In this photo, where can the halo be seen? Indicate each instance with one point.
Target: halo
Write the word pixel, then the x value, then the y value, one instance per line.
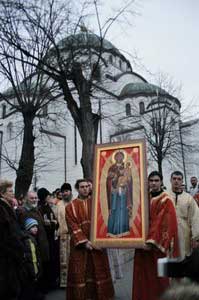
pixel 114 153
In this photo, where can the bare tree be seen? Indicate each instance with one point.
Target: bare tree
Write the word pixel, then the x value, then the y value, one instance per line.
pixel 30 91
pixel 164 127
pixel 162 131
pixel 73 63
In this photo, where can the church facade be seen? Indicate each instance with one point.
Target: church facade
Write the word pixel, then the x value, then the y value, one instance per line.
pixel 129 108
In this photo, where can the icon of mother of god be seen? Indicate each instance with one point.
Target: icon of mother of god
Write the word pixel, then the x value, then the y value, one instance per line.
pixel 119 186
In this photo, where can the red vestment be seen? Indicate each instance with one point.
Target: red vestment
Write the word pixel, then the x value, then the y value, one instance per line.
pixel 163 235
pixel 88 271
pixel 196 197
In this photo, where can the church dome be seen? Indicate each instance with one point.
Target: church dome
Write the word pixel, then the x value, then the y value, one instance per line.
pixel 87 40
pixel 145 89
pixel 141 88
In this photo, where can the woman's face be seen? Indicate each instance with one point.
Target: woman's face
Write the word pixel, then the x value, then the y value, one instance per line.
pixel 8 195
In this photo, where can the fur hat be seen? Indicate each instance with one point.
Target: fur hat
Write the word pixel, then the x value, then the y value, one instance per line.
pixel 66 187
pixel 29 223
pixel 42 193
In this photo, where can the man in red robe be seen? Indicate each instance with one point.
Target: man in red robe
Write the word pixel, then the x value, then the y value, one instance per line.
pixel 88 271
pixel 162 241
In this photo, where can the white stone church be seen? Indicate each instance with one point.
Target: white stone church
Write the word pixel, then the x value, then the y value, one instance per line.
pixel 127 104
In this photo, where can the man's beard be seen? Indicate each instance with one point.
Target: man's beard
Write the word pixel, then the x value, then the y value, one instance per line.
pixel 30 205
pixel 68 198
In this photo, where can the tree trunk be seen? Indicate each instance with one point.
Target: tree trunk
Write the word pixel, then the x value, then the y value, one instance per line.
pixel 160 165
pixel 27 159
pixel 88 134
pixel 85 120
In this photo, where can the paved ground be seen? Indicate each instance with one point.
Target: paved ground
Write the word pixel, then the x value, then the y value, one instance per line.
pixel 123 287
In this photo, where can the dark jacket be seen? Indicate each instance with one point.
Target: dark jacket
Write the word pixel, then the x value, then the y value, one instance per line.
pixel 48 214
pixel 23 213
pixel 11 252
pixel 32 256
pixel 51 225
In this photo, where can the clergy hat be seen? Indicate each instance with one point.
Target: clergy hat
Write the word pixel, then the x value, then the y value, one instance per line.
pixel 66 187
pixel 42 193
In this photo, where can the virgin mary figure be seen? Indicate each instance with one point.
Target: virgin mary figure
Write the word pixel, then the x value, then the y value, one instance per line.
pixel 119 185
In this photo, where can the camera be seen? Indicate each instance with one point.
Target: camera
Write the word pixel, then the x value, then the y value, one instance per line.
pixel 178 268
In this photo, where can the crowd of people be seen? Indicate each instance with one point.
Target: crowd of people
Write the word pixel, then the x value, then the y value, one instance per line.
pixel 45 241
pixel 34 246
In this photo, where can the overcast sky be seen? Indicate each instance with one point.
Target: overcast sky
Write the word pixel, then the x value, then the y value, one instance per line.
pixel 165 36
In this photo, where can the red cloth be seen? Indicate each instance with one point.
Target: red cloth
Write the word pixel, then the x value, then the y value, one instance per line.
pixel 163 235
pixel 196 197
pixel 88 271
pixel 163 230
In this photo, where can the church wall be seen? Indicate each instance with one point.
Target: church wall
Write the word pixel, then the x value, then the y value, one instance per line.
pixel 11 144
pixel 190 137
pixel 55 171
pixel 116 125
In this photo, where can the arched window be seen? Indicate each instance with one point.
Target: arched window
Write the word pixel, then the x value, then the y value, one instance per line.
pixel 75 143
pixel 96 72
pixel 120 64
pixel 142 108
pixel 128 109
pixel 3 111
pixel 10 130
pixel 110 59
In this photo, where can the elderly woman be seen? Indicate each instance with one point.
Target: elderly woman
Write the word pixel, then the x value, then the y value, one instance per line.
pixel 11 246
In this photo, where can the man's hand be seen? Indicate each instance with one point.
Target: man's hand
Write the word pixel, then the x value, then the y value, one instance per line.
pixel 47 222
pixel 88 245
pixel 54 221
pixel 195 244
pixel 147 247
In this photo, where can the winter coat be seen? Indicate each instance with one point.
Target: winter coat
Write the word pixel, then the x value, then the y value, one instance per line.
pixel 11 253
pixel 23 213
